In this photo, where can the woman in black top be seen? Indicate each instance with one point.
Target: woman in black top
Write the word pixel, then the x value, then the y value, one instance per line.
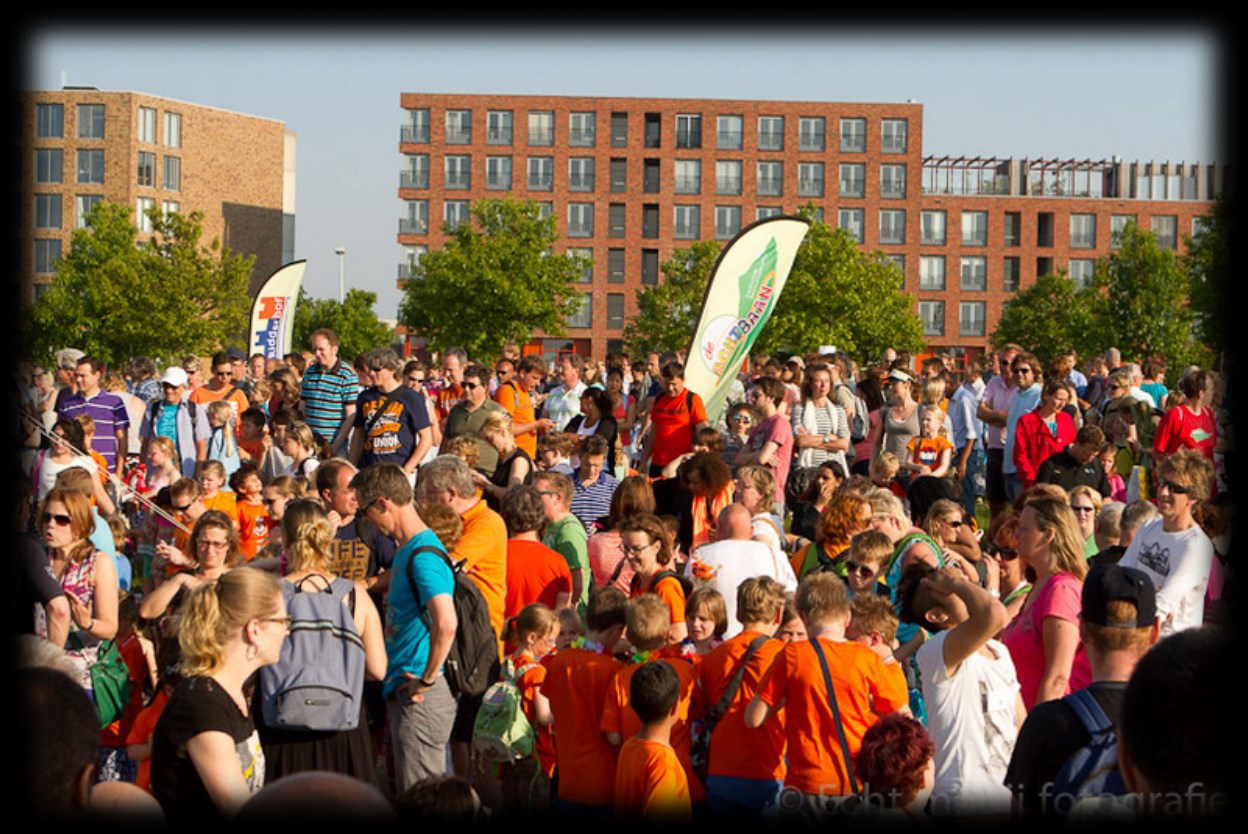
pixel 514 464
pixel 595 418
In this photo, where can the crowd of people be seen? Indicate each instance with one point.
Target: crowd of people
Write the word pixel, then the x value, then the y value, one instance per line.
pixel 508 587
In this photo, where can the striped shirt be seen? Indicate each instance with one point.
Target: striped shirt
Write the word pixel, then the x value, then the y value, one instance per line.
pixel 590 503
pixel 110 415
pixel 326 393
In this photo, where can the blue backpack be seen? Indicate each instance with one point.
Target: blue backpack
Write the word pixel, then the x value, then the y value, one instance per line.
pixel 1093 769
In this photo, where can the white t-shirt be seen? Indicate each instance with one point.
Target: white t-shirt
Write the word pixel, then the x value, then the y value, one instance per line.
pixel 731 563
pixel 972 720
pixel 1179 565
pixel 49 469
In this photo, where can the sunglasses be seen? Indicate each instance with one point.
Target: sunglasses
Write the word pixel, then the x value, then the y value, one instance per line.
pixel 862 570
pixel 1177 489
pixel 416 379
pixel 1005 554
pixel 61 520
pixel 469 386
pixel 1088 509
pixel 1022 370
pixel 741 418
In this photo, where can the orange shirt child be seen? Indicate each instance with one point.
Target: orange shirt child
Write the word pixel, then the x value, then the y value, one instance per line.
pixel 577 682
pixel 226 502
pixel 651 782
pixel 737 751
pixel 667 589
pixel 140 736
pixel 529 683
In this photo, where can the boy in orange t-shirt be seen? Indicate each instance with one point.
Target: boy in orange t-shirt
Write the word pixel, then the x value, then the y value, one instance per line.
pixel 253 514
pixel 864 690
pixel 577 680
pixel 650 782
pixel 211 477
pixel 647 620
pixel 873 623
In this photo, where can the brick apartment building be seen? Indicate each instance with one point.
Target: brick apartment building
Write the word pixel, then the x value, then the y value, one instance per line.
pixel 82 145
pixel 629 180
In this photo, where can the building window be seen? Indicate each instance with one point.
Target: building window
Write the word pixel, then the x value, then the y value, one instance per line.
pixel 688 176
pixel 581 173
pixel 931 272
pixel 898 261
pixel 1117 223
pixel 168 207
pixel 173 130
pixel 498 173
pixel 853 179
pixel 498 127
pixel 615 311
pixel 457 172
pixel 581 130
pixel 143 215
pixel 584 317
pixel 810 179
pixel 1044 230
pixel 971 318
pixel 541 173
pixel 412 255
pixel 172 174
pixel 649 220
pixel 415 129
pixel 1011 270
pixel 616 216
pixel 545 208
pixel 50 165
pixel 770 179
pixel 47 253
pixel 541 128
pixel 147 168
pixel 1166 228
pixel 147 125
pixel 1083 231
pixel 727 222
pixel 851 220
pixel 892 136
pixel 417 220
pixel 892 226
pixel 47 211
pixel 587 257
pixel 974 274
pixel 454 213
pixel 763 212
pixel 83 204
pixel 853 135
pixel 650 266
pixel 615 266
pixel 416 174
pixel 1200 225
pixel 771 133
pixel 933 227
pixel 619 130
pixel 974 228
pixel 650 176
pixel 1013 228
pixel 728 132
pixel 90 121
pixel 1081 271
pixel 932 314
pixel 688 131
pixel 728 177
pixel 893 182
pixel 619 176
pixel 50 121
pixel 459 127
pixel 580 219
pixel 687 223
pixel 652 130
pixel 810 133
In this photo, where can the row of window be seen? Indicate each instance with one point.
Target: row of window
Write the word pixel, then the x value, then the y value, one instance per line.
pixel 1082 229
pixel 50 123
pixel 49 210
pixel 50 168
pixel 583 130
pixel 972 318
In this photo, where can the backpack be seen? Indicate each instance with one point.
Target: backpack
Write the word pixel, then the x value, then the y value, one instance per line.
pixel 1093 769
pixel 859 420
pixel 686 584
pixel 472 664
pixel 318 683
pixel 502 732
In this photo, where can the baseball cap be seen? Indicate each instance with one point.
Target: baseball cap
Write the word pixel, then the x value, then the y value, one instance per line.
pixel 1105 583
pixel 235 354
pixel 174 376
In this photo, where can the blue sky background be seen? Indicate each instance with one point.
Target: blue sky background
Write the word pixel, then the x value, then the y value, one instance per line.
pixel 1084 92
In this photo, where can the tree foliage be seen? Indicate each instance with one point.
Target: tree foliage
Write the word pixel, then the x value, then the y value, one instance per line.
pixel 667 314
pixel 353 320
pixel 117 297
pixel 1049 316
pixel 838 295
pixel 1208 262
pixel 494 281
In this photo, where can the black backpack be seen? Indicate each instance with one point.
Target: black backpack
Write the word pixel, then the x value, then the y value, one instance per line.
pixel 1093 769
pixel 686 584
pixel 472 664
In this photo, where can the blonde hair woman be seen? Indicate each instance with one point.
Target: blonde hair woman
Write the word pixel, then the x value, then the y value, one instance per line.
pixel 206 756
pixel 1085 505
pixel 515 467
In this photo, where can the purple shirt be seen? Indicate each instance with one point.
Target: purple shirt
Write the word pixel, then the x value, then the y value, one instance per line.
pixel 997 397
pixel 110 415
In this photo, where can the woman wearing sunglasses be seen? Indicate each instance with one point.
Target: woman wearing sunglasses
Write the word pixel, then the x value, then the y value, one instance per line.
pixel 88 577
pixel 1005 572
pixel 946 523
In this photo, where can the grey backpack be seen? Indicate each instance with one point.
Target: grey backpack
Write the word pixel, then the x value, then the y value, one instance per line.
pixel 318 682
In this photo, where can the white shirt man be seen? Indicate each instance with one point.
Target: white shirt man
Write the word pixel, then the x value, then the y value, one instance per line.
pixel 564 401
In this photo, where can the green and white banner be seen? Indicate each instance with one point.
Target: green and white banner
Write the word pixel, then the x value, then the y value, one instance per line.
pixel 740 295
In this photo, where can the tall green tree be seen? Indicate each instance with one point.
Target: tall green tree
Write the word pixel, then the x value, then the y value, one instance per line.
pixel 1208 262
pixel 1050 316
pixel 116 296
pixel 353 320
pixel 494 281
pixel 667 313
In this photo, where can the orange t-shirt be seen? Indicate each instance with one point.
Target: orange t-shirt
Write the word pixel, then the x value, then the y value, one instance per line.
pixel 519 405
pixel 737 751
pixel 226 502
pixel 238 402
pixel 618 716
pixel 669 590
pixel 253 528
pixel 141 732
pixel 535 573
pixel 650 783
pixel 529 683
pixel 483 546
pixel 674 420
pixel 576 685
pixel 864 691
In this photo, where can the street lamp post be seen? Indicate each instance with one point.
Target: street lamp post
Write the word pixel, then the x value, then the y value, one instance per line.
pixel 341 253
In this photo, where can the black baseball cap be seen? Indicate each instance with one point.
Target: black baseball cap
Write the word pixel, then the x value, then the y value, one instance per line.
pixel 1105 583
pixel 235 354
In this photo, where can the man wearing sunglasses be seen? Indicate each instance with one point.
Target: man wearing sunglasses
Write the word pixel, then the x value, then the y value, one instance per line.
pixel 222 386
pixel 1026 396
pixel 468 415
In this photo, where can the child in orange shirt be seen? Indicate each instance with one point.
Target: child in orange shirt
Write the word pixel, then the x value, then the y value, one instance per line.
pixel 139 739
pixel 707 619
pixel 864 691
pixel 873 623
pixel 650 782
pixel 211 476
pixel 253 515
pixel 883 471
pixel 931 452
pixel 577 680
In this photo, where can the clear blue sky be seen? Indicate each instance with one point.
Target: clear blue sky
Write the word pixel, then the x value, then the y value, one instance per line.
pixel 1083 91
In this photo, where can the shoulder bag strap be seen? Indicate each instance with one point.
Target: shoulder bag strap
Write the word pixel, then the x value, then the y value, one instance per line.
pixel 734 685
pixel 385 403
pixel 836 714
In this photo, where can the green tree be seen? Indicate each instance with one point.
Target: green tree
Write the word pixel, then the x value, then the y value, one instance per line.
pixel 667 314
pixel 353 320
pixel 494 281
pixel 1049 316
pixel 116 296
pixel 1208 262
pixel 839 295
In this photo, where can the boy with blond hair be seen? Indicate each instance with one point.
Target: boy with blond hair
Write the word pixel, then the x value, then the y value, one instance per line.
pixel 869 552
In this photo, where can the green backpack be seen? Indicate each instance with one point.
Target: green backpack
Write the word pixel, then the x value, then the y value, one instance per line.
pixel 501 732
